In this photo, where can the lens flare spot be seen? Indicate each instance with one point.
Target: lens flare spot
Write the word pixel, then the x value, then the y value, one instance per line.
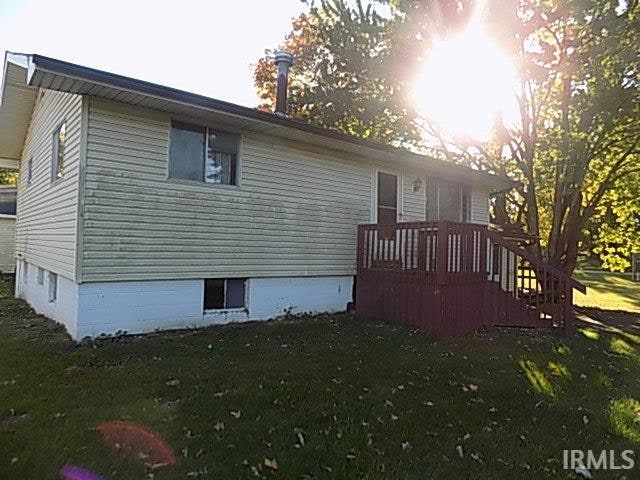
pixel 74 472
pixel 138 442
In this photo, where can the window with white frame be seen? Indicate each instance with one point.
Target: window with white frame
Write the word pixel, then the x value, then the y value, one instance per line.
pixel 447 200
pixel 40 276
pixel 53 287
pixel 59 143
pixel 203 154
pixel 224 293
pixel 29 170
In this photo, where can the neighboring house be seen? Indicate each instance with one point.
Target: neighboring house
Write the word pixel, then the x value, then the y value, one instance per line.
pixel 7 228
pixel 141 207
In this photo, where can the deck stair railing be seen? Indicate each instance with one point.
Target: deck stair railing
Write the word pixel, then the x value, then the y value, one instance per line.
pixel 453 277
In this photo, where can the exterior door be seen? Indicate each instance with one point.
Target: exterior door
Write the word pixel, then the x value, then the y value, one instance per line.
pixel 387 202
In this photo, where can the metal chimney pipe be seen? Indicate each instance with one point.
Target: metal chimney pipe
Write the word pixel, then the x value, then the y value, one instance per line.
pixel 283 61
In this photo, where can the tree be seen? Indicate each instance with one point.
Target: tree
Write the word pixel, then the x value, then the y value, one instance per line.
pixel 578 132
pixel 8 177
pixel 578 99
pixel 340 78
pixel 613 232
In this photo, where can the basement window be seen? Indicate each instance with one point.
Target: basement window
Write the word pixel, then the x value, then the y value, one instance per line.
pixel 53 287
pixel 224 293
pixel 202 154
pixel 40 276
pixel 59 141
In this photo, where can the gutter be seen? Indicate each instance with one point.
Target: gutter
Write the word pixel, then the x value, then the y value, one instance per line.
pixel 39 63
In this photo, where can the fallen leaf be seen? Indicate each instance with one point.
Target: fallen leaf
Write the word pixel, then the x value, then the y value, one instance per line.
pixel 236 415
pixel 272 464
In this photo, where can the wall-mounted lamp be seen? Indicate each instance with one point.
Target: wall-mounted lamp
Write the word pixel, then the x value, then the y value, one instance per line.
pixel 417 184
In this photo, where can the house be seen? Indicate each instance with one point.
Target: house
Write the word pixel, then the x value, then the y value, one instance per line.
pixel 7 228
pixel 142 207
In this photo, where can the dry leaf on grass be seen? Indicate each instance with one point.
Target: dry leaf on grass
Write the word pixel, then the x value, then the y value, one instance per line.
pixel 272 464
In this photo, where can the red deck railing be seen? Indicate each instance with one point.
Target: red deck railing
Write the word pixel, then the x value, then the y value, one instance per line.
pixel 452 278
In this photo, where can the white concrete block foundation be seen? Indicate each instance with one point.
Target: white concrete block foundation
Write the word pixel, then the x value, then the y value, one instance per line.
pixel 91 309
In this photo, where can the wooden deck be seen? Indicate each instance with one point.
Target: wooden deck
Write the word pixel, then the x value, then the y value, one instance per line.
pixel 451 278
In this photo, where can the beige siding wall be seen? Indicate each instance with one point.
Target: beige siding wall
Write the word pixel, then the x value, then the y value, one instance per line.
pixel 47 212
pixel 7 240
pixel 480 206
pixel 414 202
pixel 294 214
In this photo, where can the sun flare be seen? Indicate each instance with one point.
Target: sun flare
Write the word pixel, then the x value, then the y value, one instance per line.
pixel 465 83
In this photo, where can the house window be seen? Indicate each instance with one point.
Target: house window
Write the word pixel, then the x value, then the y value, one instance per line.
pixel 224 293
pixel 387 198
pixel 29 170
pixel 202 154
pixel 40 276
pixel 25 272
pixel 59 140
pixel 53 287
pixel 448 200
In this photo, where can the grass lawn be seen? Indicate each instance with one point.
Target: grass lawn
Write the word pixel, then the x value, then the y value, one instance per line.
pixel 368 400
pixel 609 291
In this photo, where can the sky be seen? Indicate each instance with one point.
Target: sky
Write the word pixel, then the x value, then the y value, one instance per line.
pixel 205 47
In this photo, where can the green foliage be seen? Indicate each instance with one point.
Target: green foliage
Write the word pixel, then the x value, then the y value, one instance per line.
pixel 614 230
pixel 8 177
pixel 341 77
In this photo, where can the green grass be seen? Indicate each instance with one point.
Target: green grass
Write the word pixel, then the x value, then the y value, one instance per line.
pixel 6 283
pixel 357 391
pixel 609 291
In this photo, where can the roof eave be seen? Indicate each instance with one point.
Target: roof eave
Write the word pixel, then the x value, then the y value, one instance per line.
pixel 40 65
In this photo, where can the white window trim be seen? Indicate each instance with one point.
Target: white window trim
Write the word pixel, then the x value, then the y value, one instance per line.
pixel 461 192
pixel 239 156
pixel 234 309
pixel 29 170
pixel 374 192
pixel 54 153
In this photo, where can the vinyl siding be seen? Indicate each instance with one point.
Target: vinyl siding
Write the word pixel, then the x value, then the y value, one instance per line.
pixel 293 215
pixel 46 227
pixel 414 202
pixel 7 239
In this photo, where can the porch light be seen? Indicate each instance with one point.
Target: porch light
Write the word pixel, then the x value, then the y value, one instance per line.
pixel 417 184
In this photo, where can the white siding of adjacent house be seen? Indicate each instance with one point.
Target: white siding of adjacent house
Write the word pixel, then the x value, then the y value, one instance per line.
pixel 7 239
pixel 47 212
pixel 293 215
